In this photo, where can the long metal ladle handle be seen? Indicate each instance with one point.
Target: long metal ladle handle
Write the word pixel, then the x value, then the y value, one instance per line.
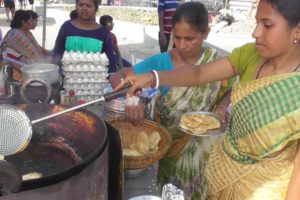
pixel 106 97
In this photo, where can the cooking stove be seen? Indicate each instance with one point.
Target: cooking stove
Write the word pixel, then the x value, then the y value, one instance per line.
pixel 100 179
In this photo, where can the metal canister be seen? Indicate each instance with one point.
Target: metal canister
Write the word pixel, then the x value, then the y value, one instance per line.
pixel 64 98
pixel 12 88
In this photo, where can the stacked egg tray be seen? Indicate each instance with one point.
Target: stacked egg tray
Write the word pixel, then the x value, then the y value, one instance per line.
pixel 85 74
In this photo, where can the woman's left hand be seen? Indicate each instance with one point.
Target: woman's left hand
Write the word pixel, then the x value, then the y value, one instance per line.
pixel 222 111
pixel 135 114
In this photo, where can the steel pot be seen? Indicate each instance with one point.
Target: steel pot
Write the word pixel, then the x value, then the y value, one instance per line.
pixel 47 72
pixel 39 74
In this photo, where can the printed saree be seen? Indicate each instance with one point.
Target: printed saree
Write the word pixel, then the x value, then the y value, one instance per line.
pixel 185 162
pixel 255 158
pixel 22 45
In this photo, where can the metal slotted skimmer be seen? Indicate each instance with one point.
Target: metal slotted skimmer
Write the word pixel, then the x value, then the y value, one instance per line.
pixel 16 130
pixel 16 127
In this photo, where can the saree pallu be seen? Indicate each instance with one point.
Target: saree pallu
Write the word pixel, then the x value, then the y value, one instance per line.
pixel 255 158
pixel 24 45
pixel 21 46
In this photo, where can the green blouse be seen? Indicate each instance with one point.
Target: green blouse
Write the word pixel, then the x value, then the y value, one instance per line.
pixel 245 59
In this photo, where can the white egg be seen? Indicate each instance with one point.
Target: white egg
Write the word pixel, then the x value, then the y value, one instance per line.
pixel 81 57
pixel 93 67
pixel 89 57
pixel 69 67
pixel 78 67
pixel 85 67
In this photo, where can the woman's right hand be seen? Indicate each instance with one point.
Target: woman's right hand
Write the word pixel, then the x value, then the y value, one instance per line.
pixel 116 78
pixel 137 82
pixel 135 113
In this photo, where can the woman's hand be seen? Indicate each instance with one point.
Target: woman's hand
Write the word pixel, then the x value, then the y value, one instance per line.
pixel 134 110
pixel 222 111
pixel 117 78
pixel 135 114
pixel 222 107
pixel 137 82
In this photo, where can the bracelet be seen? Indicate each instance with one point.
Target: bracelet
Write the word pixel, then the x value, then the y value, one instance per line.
pixel 156 85
pixel 122 77
pixel 153 81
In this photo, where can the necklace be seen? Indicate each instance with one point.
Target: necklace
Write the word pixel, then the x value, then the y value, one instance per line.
pixel 296 68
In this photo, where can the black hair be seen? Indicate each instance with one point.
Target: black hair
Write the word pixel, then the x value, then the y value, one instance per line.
pixel 289 9
pixel 33 14
pixel 104 19
pixel 73 14
pixel 193 13
pixel 19 16
pixel 96 4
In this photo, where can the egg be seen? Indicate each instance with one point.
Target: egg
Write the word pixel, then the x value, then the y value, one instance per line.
pixel 81 57
pixel 85 67
pixel 89 57
pixel 77 68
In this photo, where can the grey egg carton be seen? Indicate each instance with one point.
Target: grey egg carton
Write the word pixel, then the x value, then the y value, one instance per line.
pixel 84 58
pixel 100 75
pixel 84 67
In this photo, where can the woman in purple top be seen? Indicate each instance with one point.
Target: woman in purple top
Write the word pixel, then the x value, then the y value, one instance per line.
pixel 84 34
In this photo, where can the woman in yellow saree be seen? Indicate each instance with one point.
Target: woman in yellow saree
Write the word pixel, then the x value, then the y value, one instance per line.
pixel 259 156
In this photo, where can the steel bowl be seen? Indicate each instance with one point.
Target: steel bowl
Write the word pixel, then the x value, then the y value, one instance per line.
pixel 146 197
pixel 134 173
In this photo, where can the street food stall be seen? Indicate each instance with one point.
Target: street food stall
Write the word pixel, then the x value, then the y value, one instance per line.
pixel 77 155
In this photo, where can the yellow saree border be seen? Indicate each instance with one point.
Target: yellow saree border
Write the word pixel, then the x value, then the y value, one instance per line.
pixel 266 115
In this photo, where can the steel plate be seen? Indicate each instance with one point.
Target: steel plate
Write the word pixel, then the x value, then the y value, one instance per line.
pixel 212 132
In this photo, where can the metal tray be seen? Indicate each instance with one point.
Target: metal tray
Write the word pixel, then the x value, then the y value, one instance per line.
pixel 212 132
